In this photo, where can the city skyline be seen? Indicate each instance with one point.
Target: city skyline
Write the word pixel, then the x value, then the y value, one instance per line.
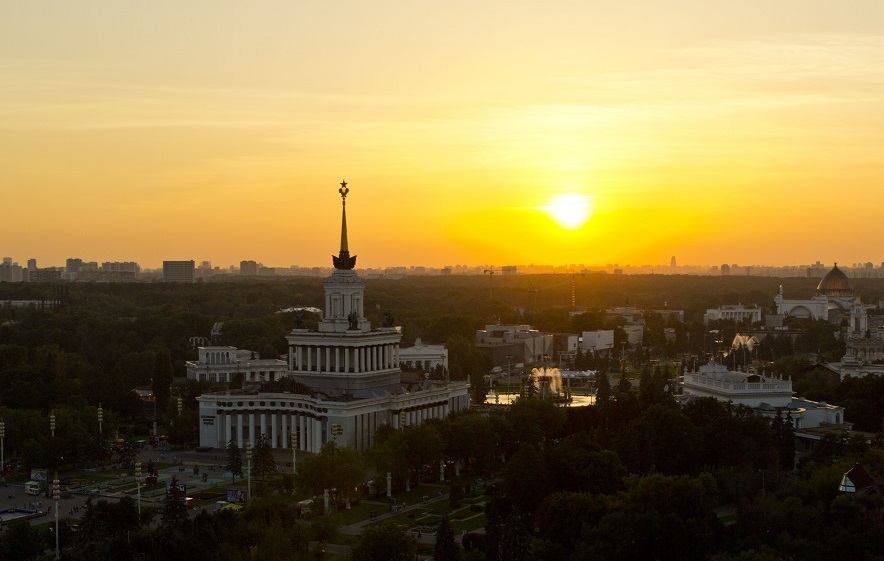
pixel 508 134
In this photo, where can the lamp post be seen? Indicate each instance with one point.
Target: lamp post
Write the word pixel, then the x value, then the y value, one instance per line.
pixel 52 423
pixel 180 405
pixel 100 420
pixel 336 430
pixel 296 443
pixel 56 495
pixel 2 446
pixel 249 468
pixel 138 483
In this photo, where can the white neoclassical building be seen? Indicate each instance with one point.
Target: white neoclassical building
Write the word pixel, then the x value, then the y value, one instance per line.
pixel 352 371
pixel 423 356
pixel 222 364
pixel 764 394
pixel 732 312
pixel 835 299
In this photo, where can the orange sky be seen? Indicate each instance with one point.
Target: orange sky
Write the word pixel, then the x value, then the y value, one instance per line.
pixel 743 132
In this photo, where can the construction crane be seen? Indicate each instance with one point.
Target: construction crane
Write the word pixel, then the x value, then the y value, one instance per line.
pixel 572 280
pixel 491 272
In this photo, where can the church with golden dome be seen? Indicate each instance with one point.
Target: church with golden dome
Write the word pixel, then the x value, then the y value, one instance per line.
pixel 835 301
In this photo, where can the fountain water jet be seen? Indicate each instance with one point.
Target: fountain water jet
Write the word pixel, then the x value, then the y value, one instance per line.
pixel 548 381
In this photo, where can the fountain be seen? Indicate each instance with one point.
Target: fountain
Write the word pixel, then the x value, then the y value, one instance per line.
pixel 548 383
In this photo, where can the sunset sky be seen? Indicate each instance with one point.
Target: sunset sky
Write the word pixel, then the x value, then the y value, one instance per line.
pixel 469 132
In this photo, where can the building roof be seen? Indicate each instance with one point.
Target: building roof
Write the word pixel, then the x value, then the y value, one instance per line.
pixel 835 283
pixel 858 480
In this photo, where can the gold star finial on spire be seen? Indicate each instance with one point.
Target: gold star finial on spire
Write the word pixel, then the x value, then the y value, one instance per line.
pixel 343 190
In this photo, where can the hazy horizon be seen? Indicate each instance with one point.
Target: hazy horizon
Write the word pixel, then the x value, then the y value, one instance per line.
pixel 500 132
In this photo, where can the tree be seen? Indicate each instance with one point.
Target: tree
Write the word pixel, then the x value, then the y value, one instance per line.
pixel 384 542
pixel 786 445
pixel 446 548
pixel 234 460
pixel 175 506
pixel 162 378
pixel 127 452
pixel 263 462
pixel 603 388
pixel 333 467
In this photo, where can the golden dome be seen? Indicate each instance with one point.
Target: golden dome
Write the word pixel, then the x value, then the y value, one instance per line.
pixel 835 283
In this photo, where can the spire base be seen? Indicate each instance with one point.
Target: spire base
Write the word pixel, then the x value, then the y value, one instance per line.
pixel 343 261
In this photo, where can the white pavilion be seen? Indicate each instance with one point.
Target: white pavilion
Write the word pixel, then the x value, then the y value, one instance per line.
pixel 352 371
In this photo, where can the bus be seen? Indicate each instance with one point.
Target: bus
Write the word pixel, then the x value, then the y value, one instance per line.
pixel 33 487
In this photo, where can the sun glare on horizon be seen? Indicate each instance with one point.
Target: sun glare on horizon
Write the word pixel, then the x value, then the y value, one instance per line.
pixel 569 210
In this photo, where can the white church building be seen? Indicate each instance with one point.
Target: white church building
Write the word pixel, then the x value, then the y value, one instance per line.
pixel 352 371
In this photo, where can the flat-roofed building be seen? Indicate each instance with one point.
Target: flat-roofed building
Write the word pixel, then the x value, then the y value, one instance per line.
pixel 178 271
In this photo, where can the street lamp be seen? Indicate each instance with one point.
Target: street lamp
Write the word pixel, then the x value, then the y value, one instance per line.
pixel 56 495
pixel 180 405
pixel 296 443
pixel 336 430
pixel 100 420
pixel 138 483
pixel 52 423
pixel 249 468
pixel 2 446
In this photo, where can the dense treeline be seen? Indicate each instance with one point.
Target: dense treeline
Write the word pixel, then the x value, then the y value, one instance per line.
pixel 103 340
pixel 634 477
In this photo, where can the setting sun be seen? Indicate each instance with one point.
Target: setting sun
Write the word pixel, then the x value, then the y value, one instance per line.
pixel 570 211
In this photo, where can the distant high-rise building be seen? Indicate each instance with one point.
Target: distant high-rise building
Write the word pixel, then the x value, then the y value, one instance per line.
pixel 248 268
pixel 73 264
pixel 725 269
pixel 178 271
pixel 11 272
pixel 32 264
pixel 672 262
pixel 120 266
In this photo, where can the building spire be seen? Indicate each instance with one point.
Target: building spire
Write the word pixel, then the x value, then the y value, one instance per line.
pixel 343 260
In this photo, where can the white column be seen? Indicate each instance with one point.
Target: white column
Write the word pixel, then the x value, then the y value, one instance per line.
pixel 309 358
pixel 328 367
pixel 273 434
pixel 346 359
pixel 337 359
pixel 374 357
pixel 263 425
pixel 228 430
pixel 302 426
pixel 252 429
pixel 239 430
pixel 317 435
pixel 283 427
pixel 291 358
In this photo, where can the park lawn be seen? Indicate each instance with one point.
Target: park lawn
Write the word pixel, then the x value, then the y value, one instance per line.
pixel 356 513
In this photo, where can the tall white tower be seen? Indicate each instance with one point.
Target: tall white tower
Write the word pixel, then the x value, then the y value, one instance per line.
pixel 345 355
